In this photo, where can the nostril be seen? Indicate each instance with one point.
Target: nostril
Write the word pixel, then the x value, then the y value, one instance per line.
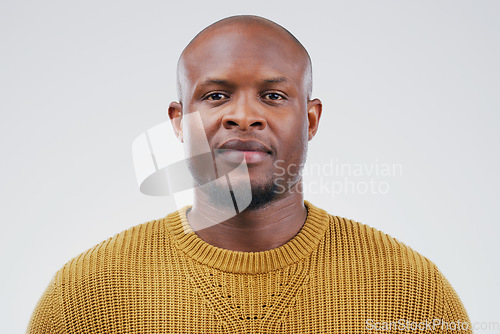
pixel 244 123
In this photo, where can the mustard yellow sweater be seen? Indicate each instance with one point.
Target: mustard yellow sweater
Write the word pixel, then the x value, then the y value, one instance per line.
pixel 335 276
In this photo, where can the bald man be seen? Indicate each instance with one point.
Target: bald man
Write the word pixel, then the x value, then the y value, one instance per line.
pixel 250 255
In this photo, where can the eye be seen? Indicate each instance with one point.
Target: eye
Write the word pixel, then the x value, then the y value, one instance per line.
pixel 215 96
pixel 274 96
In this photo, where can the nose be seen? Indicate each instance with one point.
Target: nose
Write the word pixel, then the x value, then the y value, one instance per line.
pixel 245 114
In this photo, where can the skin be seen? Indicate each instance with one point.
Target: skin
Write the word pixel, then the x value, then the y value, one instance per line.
pixel 278 114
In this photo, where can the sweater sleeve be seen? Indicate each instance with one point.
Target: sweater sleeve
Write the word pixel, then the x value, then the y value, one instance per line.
pixel 454 318
pixel 43 317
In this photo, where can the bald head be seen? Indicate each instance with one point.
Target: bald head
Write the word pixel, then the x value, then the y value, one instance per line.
pixel 256 32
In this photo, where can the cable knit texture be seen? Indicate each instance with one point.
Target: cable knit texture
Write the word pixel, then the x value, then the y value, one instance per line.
pixel 335 276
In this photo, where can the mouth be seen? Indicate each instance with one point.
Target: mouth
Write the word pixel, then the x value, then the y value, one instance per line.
pixel 236 150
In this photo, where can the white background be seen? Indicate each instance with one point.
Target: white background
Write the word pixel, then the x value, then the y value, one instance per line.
pixel 413 83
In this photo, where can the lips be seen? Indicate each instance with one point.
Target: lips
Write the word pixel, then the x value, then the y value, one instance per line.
pixel 235 150
pixel 245 145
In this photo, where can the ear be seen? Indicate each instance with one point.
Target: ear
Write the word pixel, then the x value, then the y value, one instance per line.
pixel 175 115
pixel 314 108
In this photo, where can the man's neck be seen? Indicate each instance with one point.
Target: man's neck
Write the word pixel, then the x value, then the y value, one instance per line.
pixel 257 230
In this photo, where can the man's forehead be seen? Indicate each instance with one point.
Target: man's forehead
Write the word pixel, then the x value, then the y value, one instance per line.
pixel 225 68
pixel 225 50
pixel 230 52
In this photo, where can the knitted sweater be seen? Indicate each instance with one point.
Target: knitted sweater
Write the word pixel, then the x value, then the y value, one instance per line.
pixel 335 276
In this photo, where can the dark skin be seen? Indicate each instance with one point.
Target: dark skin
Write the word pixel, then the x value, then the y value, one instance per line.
pixel 261 94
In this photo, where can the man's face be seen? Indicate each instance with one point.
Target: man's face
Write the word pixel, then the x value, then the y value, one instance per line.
pixel 249 87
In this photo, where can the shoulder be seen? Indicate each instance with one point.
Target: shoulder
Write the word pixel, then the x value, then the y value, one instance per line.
pixel 390 270
pixel 101 278
pixel 137 244
pixel 370 244
pixel 368 255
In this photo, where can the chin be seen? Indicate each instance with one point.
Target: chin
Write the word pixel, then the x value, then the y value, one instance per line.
pixel 263 193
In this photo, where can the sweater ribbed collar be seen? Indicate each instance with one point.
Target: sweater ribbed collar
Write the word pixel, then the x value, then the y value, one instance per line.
pixel 293 251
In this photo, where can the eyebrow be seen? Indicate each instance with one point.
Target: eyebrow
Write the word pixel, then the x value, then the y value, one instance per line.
pixel 216 81
pixel 276 80
pixel 209 81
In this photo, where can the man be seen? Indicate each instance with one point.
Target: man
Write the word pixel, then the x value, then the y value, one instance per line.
pixel 279 264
